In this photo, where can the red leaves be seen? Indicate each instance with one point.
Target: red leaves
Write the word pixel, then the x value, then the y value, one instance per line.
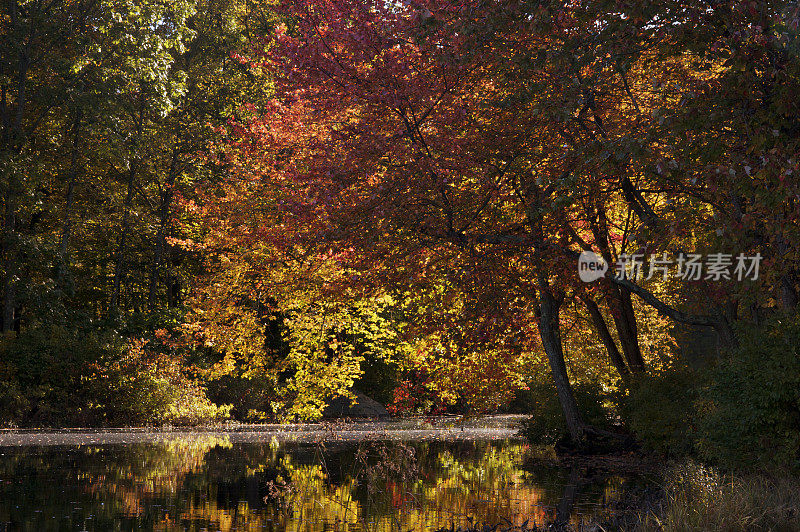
pixel 463 147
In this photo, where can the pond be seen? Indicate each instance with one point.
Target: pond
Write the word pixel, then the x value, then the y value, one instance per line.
pixel 397 478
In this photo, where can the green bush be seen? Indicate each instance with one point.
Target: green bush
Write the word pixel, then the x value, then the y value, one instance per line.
pixel 750 410
pixel 137 396
pixel 42 375
pixel 13 403
pixel 122 395
pixel 660 409
pixel 730 412
pixel 87 374
pixel 547 425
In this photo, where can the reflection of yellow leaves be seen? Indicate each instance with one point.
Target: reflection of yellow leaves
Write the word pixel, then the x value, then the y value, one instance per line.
pixel 485 483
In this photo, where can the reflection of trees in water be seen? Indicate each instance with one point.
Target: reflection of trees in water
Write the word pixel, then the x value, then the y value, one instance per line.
pixel 94 487
pixel 567 502
pixel 209 482
pixel 582 490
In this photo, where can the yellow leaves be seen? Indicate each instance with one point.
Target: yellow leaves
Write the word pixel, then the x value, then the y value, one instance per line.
pixel 254 291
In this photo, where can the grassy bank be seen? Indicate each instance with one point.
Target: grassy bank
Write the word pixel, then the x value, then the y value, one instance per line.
pixel 689 496
pixel 697 497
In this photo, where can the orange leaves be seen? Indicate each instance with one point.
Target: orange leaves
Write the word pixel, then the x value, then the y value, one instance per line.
pixel 461 151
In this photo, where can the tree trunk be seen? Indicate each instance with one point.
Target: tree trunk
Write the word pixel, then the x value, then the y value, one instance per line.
pixel 550 332
pixel 8 253
pixel 13 141
pixel 160 244
pixel 620 302
pixel 789 297
pixel 173 289
pixel 7 317
pixel 119 267
pixel 627 330
pixel 608 340
pixel 715 319
pixel 549 324
pixel 66 228
pixel 725 333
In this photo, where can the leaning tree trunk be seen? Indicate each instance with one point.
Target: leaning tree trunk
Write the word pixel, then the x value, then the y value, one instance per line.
pixel 605 335
pixel 619 300
pixel 549 324
pixel 627 330
pixel 550 332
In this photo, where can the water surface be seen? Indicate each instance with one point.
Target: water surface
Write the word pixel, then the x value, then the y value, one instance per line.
pixel 221 481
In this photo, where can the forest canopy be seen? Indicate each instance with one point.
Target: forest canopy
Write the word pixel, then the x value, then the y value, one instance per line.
pixel 244 209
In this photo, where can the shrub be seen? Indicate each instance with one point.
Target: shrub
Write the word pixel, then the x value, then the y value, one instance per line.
pixel 147 382
pixel 729 413
pixel 547 425
pixel 750 409
pixel 42 374
pixel 659 409
pixel 13 403
pixel 86 374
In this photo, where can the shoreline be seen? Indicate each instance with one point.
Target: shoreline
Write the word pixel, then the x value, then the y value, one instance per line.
pixel 404 429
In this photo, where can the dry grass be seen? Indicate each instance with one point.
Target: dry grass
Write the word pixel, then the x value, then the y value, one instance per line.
pixel 700 498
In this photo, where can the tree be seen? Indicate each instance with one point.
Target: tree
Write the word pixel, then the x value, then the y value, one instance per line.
pixel 448 175
pixel 491 141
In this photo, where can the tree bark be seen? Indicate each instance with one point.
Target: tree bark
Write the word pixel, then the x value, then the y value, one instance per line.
pixel 119 267
pixel 13 140
pixel 627 329
pixel 7 318
pixel 620 301
pixel 160 244
pixel 608 340
pixel 550 332
pixel 66 227
pixel 789 297
pixel 549 323
pixel 9 264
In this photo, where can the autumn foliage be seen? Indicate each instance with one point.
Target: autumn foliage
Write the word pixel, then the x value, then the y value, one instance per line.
pixel 346 193
pixel 464 152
